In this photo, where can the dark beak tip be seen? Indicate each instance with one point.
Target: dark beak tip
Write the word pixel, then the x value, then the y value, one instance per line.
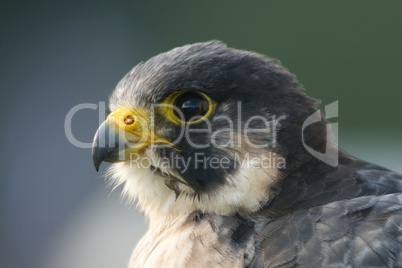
pixel 105 146
pixel 97 168
pixel 96 158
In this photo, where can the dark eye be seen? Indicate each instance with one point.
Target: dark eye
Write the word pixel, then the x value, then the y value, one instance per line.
pixel 191 105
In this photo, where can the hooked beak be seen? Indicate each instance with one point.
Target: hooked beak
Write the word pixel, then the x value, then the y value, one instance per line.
pixel 126 131
pixel 105 146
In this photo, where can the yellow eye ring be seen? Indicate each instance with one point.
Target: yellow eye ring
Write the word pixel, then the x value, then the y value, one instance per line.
pixel 187 107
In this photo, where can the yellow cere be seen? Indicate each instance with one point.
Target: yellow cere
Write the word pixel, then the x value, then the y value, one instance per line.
pixel 131 120
pixel 136 124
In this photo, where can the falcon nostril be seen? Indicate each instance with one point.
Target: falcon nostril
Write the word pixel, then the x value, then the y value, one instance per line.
pixel 129 120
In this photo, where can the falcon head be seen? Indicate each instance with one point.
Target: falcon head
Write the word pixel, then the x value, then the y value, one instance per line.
pixel 206 128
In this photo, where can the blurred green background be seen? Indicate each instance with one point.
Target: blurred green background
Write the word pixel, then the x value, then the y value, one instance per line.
pixel 55 210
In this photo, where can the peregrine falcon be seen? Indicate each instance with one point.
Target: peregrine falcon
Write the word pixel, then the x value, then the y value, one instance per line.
pixel 212 145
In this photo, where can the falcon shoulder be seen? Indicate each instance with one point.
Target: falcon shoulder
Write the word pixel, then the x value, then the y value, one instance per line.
pixel 349 217
pixel 361 232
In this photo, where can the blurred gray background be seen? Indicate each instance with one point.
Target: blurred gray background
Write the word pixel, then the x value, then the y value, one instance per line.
pixel 56 211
